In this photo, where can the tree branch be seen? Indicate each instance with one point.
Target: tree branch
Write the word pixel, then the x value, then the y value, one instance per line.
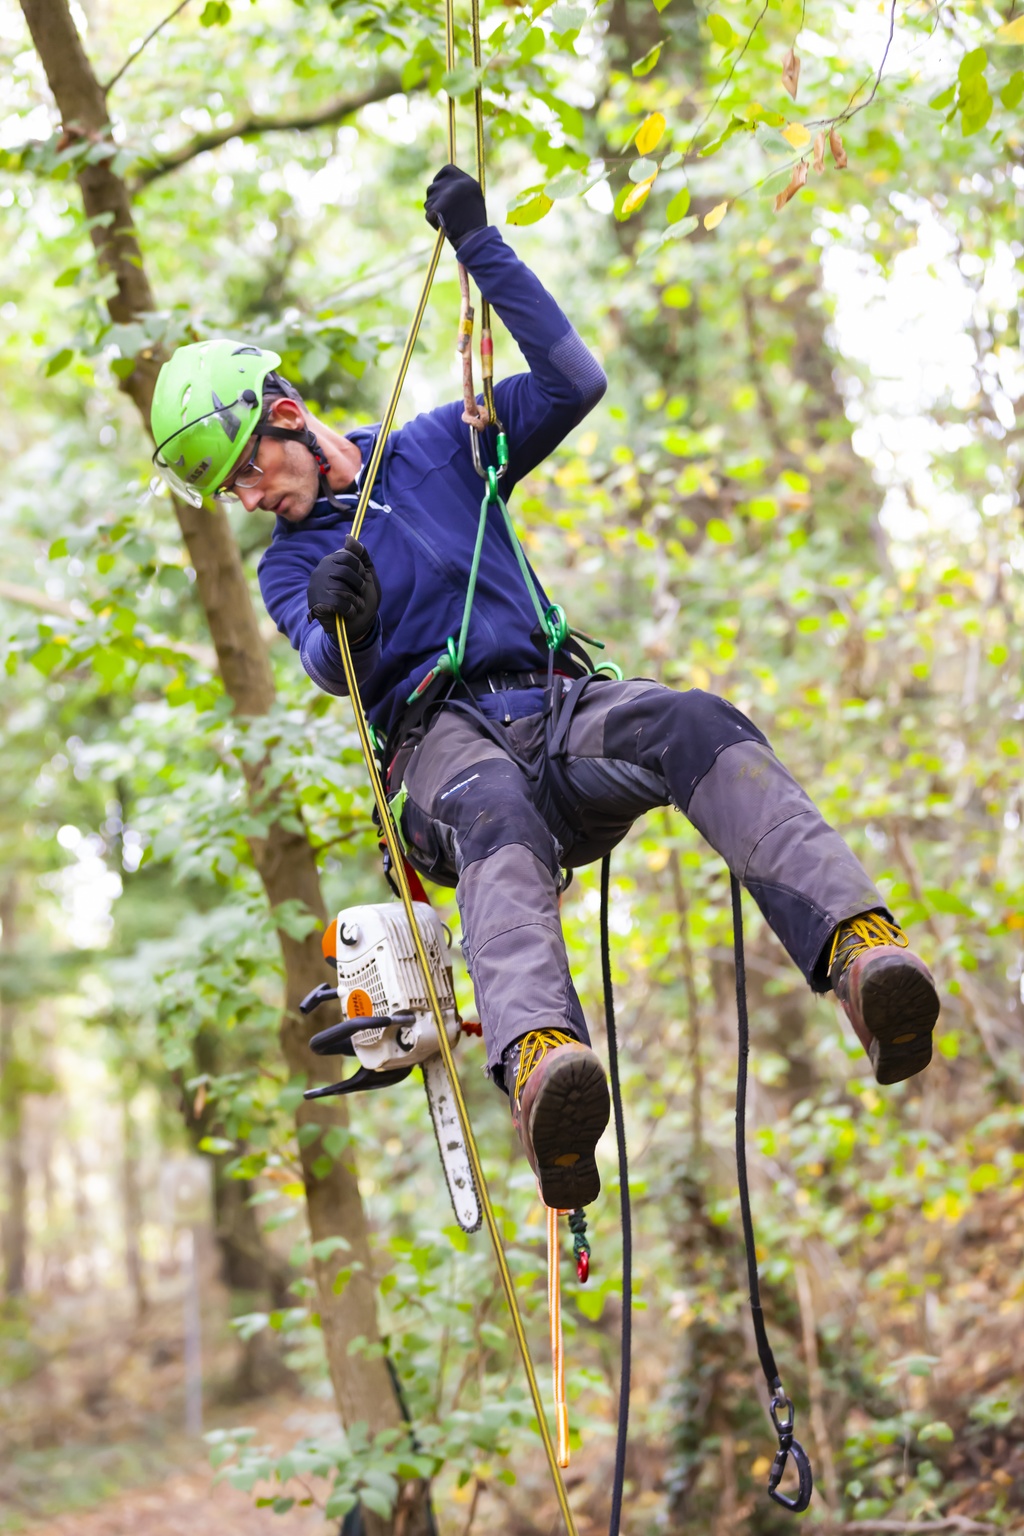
pixel 948 1523
pixel 332 111
pixel 130 60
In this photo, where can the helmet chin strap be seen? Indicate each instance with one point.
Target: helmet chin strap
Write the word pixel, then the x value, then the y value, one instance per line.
pixel 308 440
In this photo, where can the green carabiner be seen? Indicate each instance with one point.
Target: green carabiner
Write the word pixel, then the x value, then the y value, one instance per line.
pixel 492 483
pixel 450 660
pixel 612 668
pixel 557 627
pixel 502 451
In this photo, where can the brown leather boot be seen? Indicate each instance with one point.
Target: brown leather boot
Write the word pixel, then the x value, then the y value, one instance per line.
pixel 888 995
pixel 559 1098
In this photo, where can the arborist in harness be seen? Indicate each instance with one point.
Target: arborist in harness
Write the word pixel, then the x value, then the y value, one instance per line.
pixel 516 762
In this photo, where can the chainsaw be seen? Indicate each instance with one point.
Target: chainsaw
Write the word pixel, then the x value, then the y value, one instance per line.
pixel 389 1025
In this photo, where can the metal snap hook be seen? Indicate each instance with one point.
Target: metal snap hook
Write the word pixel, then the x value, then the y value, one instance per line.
pixel 799 1502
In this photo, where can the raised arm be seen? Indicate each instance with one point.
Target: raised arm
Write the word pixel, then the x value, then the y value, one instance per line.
pixel 538 409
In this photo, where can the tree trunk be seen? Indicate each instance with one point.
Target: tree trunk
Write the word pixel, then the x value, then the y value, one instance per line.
pixel 131 1206
pixel 284 858
pixel 15 1226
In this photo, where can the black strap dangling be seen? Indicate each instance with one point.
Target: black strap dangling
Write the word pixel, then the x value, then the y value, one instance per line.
pixel 780 1406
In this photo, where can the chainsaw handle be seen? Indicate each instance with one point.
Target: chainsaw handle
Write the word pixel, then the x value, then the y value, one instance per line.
pixel 332 1041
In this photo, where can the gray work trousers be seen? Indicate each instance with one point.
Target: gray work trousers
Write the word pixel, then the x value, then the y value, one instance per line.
pixel 491 820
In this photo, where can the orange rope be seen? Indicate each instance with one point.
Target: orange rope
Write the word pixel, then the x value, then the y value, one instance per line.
pixel 557 1352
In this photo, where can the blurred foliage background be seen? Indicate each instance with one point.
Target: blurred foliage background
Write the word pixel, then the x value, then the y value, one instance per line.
pixel 802 491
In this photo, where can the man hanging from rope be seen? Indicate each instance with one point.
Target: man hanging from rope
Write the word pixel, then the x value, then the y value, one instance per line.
pixel 500 783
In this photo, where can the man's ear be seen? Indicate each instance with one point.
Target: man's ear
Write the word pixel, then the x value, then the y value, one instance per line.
pixel 287 413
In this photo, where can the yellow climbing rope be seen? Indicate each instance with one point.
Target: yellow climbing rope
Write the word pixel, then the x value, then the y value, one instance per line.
pixel 383 809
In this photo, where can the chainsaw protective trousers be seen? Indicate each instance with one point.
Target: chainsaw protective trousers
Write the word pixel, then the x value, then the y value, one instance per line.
pixel 500 821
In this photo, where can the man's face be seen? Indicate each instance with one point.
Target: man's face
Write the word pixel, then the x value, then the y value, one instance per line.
pixel 289 481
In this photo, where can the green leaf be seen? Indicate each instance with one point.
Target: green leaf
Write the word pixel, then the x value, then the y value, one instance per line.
pixel 678 207
pixel 721 31
pixel 58 549
pixel 57 361
pixel 566 184
pixel 936 1430
pixel 591 1303
pixel 643 170
pixel 985 1176
pixel 943 100
pixel 945 901
pixel 734 126
pixel 566 18
pixel 216 1145
pixel 1013 90
pixel 644 65
pixel 340 1502
pixel 67 278
pixel 376 1500
pixel 337 1140
pixel 530 211
pixel 325 1246
pixel 719 530
pixel 972 64
pixel 216 13
pixel 461 80
pixel 975 105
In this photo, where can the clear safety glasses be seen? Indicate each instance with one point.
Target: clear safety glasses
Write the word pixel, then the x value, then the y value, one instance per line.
pixel 244 478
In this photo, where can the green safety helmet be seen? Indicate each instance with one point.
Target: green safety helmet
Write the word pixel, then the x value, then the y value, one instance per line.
pixel 207 403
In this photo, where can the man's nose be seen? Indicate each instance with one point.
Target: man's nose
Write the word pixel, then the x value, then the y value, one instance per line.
pixel 249 496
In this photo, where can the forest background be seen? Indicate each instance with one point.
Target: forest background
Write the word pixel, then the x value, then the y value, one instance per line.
pixel 793 234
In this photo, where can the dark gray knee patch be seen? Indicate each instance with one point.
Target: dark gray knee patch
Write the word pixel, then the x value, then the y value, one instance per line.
pixel 480 810
pixel 676 735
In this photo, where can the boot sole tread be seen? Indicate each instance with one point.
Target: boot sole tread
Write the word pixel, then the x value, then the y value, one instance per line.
pixel 897 998
pixel 569 1116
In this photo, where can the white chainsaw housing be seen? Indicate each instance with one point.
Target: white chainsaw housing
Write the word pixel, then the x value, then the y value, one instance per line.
pixel 379 975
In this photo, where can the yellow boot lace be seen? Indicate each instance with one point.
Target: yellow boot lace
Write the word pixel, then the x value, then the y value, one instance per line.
pixel 534 1048
pixel 858 934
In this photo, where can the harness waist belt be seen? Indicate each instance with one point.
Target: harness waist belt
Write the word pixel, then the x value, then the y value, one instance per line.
pixel 503 682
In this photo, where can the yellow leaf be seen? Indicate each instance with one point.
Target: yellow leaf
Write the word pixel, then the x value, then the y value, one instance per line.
pixel 648 135
pixel 1012 32
pixel 796 134
pixel 715 217
pixel 638 196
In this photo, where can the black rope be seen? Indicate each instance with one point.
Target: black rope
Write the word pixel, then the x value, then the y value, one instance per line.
pixel 627 1223
pixel 780 1407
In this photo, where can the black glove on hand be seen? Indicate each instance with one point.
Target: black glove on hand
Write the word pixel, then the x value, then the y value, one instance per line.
pixel 455 203
pixel 345 585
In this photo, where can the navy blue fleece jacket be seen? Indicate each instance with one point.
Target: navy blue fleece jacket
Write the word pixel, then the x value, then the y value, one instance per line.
pixel 421 523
